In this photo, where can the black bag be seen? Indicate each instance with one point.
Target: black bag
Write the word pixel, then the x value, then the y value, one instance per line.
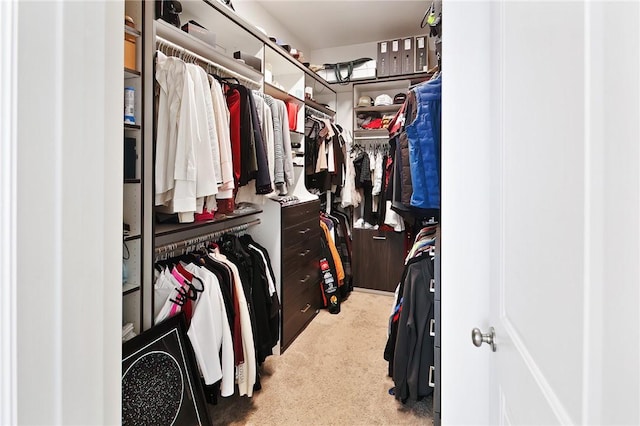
pixel 348 66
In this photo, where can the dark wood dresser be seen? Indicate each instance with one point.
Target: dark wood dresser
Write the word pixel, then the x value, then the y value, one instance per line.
pixel 378 259
pixel 301 293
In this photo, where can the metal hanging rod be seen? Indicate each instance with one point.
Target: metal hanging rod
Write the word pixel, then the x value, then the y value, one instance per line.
pixel 171 247
pixel 316 113
pixel 186 52
pixel 372 139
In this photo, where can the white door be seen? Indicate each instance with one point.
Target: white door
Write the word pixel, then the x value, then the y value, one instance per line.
pixel 541 212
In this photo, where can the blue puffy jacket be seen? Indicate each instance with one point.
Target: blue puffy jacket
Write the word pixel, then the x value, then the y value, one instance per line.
pixel 424 145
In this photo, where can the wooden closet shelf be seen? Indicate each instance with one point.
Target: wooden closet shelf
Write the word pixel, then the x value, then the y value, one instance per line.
pixel 129 73
pixel 278 93
pixel 319 107
pixel 130 288
pixel 166 229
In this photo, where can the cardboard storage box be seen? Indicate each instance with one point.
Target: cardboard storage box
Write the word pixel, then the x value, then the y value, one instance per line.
pixel 130 51
pixel 383 58
pixel 422 53
pixel 407 50
pixel 395 58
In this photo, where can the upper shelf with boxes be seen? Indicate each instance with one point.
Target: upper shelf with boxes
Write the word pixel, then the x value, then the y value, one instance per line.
pixel 395 58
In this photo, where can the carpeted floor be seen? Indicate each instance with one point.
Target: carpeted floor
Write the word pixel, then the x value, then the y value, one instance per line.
pixel 333 374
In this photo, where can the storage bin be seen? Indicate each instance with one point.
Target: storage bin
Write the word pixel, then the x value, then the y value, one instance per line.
pixel 130 51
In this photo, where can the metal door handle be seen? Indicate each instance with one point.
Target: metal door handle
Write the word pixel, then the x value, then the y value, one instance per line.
pixel 304 253
pixel 305 279
pixel 306 308
pixel 478 337
pixel 304 231
pixel 379 237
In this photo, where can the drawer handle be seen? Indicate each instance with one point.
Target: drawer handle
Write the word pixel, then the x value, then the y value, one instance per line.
pixel 304 253
pixel 306 308
pixel 304 231
pixel 432 328
pixel 305 279
pixel 379 237
pixel 432 370
pixel 432 285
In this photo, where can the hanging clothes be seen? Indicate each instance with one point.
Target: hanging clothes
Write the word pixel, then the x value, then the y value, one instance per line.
pixel 410 345
pixel 424 144
pixel 234 318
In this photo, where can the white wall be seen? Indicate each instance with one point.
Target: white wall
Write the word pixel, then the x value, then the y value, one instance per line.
pixel 69 209
pixel 258 16
pixel 344 53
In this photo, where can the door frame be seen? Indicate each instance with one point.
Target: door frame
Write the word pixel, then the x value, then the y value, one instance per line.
pixel 464 304
pixel 8 245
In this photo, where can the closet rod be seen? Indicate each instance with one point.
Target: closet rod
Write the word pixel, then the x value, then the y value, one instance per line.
pixel 370 138
pixel 168 248
pixel 219 67
pixel 318 114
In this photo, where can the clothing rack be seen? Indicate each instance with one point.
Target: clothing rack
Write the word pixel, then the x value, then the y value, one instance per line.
pixel 184 244
pixel 189 55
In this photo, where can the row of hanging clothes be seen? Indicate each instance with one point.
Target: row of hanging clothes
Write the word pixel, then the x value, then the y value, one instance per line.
pixel 325 151
pixel 217 141
pixel 370 161
pixel 335 263
pixel 415 140
pixel 411 334
pixel 227 291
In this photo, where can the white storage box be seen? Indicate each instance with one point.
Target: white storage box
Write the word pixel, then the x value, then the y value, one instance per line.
pixel 363 71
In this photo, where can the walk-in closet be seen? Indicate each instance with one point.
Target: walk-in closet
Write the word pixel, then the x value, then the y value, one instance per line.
pixel 229 212
pixel 272 233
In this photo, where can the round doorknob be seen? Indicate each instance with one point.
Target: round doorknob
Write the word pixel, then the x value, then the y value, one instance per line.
pixel 478 338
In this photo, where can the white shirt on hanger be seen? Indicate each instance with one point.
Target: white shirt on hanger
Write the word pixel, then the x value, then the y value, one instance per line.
pixel 245 372
pixel 210 333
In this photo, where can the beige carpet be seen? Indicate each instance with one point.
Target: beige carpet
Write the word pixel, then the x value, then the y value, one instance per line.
pixel 333 374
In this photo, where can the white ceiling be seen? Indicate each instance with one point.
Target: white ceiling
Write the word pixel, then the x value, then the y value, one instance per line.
pixel 328 23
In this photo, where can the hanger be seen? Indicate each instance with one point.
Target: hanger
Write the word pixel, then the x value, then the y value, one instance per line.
pixel 225 80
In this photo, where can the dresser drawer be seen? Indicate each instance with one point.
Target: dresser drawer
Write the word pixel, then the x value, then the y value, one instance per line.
pixel 301 258
pixel 300 304
pixel 296 285
pixel 307 230
pixel 301 212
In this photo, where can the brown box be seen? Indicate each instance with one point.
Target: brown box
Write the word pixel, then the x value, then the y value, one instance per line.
pixel 130 51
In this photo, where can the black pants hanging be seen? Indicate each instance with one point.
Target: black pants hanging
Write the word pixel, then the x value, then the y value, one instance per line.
pixel 367 189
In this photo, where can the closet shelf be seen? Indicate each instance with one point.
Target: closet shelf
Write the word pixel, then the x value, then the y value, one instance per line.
pixel 374 133
pixel 132 181
pixel 129 73
pixel 132 237
pixel 319 107
pixel 379 108
pixel 130 30
pixel 187 41
pixel 129 288
pixel 278 93
pixel 128 126
pixel 168 232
